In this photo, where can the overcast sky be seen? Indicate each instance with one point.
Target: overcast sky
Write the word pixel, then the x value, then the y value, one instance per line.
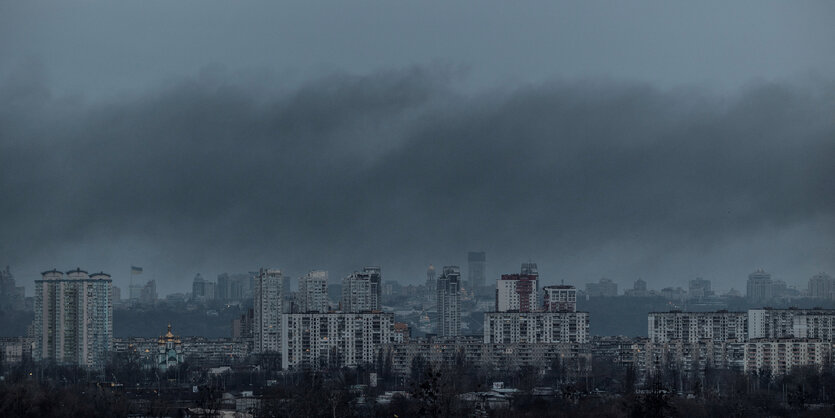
pixel 599 139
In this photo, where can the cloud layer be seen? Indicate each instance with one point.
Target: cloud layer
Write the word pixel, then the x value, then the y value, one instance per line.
pixel 228 171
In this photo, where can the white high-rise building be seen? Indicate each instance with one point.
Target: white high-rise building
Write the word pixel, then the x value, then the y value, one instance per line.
pixel 449 308
pixel 268 308
pixel 313 292
pixel 516 293
pixel 362 291
pixel 74 318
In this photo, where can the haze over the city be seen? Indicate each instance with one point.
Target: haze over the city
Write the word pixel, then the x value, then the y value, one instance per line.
pixel 607 140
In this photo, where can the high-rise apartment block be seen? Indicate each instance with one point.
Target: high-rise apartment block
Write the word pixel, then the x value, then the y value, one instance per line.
pixel 560 298
pixel 476 266
pixel 375 280
pixel 362 291
pixel 268 306
pixel 717 326
pixel 73 318
pixel 517 292
pixel 313 292
pixel 317 340
pixel 448 301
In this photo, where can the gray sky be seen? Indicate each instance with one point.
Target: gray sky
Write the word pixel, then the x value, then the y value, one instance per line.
pixel 617 139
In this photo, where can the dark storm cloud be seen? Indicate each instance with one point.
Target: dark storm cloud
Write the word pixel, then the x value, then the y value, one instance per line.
pixel 400 168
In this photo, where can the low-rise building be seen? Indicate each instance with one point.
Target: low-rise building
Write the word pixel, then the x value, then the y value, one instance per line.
pixel 317 340
pixel 695 326
pixel 536 327
pixel 779 356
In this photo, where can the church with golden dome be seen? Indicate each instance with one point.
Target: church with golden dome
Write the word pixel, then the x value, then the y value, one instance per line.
pixel 169 350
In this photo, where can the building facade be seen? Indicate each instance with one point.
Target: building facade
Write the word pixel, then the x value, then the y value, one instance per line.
pixel 317 340
pixel 517 292
pixel 362 291
pixel 779 356
pixel 268 306
pixel 694 326
pixel 560 298
pixel 440 352
pixel 788 323
pixel 536 327
pixel 313 292
pixel 448 302
pixel 73 318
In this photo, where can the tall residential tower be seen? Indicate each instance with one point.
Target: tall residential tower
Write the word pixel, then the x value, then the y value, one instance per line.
pixel 268 306
pixel 449 309
pixel 73 318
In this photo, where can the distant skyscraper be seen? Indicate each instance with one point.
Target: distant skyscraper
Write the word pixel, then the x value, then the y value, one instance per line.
pixel 362 291
pixel 449 309
pixel 430 280
pixel 821 286
pixel 605 287
pixel 476 265
pixel 699 288
pixel 198 288
pixel 313 292
pixel 74 318
pixel 760 287
pixel 639 289
pixel 223 287
pixel 149 293
pixel 268 306
pixel 11 295
pixel 134 292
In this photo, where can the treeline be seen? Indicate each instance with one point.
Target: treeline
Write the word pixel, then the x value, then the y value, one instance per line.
pixel 456 389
